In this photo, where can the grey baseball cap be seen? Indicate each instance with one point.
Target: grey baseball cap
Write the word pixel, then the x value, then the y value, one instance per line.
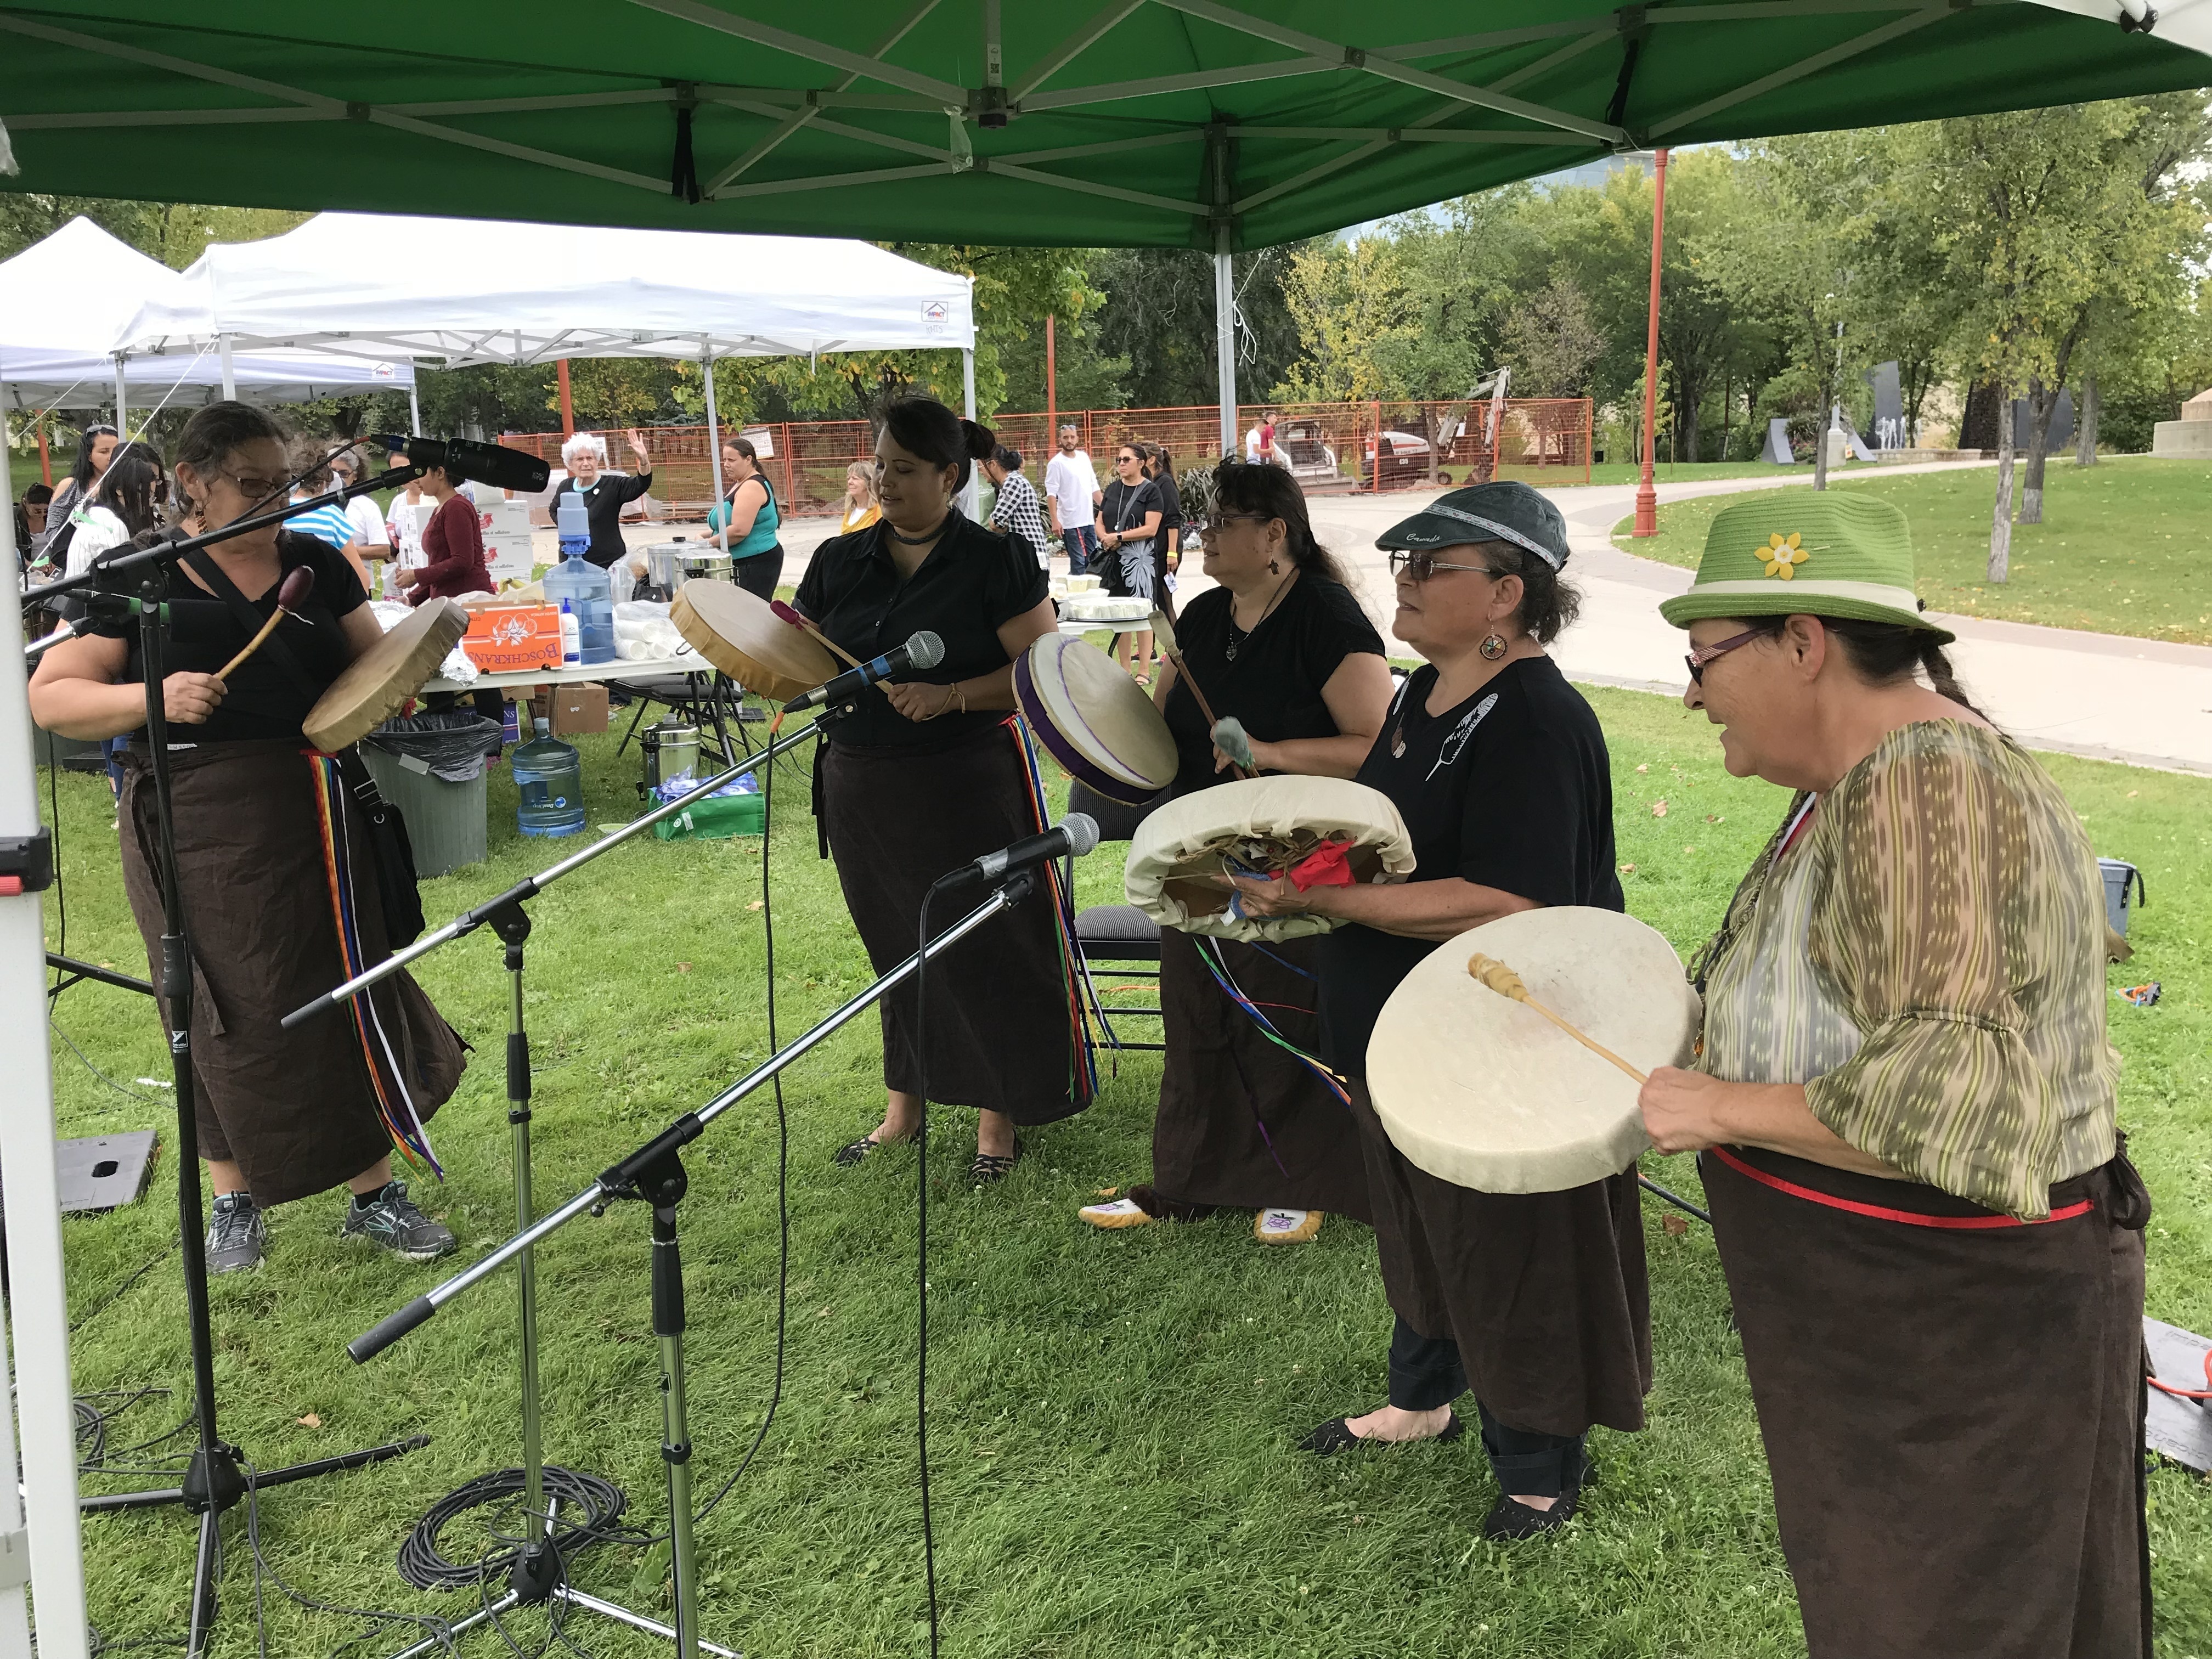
pixel 1509 512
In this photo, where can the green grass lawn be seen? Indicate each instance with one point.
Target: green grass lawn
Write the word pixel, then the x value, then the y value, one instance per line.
pixel 2124 547
pixel 1114 1415
pixel 1628 473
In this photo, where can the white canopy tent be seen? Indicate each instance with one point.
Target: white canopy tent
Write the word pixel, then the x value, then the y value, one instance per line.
pixel 482 291
pixel 63 300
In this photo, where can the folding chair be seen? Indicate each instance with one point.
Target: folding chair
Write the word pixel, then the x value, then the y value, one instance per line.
pixel 1119 939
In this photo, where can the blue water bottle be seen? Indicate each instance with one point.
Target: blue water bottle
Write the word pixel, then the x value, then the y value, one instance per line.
pixel 548 776
pixel 581 585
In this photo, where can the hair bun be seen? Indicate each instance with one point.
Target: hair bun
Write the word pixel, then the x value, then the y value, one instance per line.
pixel 980 443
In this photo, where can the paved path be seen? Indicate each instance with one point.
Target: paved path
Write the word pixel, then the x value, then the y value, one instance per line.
pixel 2102 695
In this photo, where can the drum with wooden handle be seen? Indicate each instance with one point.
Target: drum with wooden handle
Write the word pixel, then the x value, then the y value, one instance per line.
pixel 1095 721
pixel 1261 826
pixel 1486 1093
pixel 377 684
pixel 737 633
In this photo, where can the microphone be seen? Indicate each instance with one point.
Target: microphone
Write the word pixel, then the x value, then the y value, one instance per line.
pixel 492 464
pixel 922 650
pixel 1074 836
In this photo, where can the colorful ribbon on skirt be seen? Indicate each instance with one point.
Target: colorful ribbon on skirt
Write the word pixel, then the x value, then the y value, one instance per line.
pixel 1082 1070
pixel 410 1138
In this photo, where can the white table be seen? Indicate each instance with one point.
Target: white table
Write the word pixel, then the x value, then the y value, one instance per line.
pixel 1076 630
pixel 583 674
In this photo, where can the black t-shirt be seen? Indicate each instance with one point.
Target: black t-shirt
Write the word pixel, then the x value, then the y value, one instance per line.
pixel 603 505
pixel 973 582
pixel 1274 685
pixel 1170 502
pixel 1126 505
pixel 1511 789
pixel 263 700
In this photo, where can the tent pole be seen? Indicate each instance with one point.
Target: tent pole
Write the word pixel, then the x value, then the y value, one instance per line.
pixel 713 432
pixel 122 411
pixel 38 1309
pixel 971 497
pixel 568 404
pixel 1224 337
pixel 414 411
pixel 1647 497
pixel 229 370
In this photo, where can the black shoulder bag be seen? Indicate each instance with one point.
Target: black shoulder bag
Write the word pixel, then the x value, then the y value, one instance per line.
pixel 397 883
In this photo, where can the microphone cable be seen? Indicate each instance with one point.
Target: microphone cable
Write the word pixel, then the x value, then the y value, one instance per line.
pixel 921 1250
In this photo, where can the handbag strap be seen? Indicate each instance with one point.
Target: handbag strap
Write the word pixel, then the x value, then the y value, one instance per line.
pixel 241 608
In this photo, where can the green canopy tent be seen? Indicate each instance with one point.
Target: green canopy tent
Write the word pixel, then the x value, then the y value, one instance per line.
pixel 1170 123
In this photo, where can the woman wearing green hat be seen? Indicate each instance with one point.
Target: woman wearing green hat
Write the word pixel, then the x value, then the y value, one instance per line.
pixel 1535 1303
pixel 1904 1104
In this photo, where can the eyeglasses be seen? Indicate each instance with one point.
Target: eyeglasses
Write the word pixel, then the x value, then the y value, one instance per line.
pixel 1243 517
pixel 1419 566
pixel 1697 660
pixel 256 490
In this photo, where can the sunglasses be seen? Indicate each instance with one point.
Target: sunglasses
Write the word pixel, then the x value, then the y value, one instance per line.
pixel 1697 660
pixel 1419 566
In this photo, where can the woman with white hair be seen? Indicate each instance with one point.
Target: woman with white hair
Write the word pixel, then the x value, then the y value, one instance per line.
pixel 605 494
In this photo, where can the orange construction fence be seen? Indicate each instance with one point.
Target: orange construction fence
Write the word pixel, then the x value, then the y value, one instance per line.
pixel 1373 446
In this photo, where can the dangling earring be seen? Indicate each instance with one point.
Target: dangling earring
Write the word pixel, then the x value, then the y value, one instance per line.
pixel 1273 569
pixel 1493 647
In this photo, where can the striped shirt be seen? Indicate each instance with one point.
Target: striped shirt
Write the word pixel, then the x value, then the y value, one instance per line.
pixel 325 524
pixel 1929 961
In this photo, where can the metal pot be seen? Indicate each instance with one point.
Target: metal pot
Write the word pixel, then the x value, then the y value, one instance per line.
pixel 663 562
pixel 705 566
pixel 672 751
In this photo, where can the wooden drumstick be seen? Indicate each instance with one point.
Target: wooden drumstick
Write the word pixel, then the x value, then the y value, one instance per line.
pixel 1488 970
pixel 1163 632
pixel 785 613
pixel 290 596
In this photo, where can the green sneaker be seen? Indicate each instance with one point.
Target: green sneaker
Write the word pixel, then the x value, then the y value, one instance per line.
pixel 391 1219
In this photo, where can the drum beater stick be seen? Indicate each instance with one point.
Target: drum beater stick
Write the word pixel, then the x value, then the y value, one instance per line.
pixel 1163 631
pixel 786 613
pixel 290 596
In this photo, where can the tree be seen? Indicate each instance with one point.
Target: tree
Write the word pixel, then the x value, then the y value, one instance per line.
pixel 1552 343
pixel 2052 214
pixel 1352 301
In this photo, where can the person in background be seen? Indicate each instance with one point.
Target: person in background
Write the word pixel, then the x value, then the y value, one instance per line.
pixel 402 527
pixel 312 477
pixel 95 448
pixel 1268 453
pixel 604 494
pixel 1131 514
pixel 452 545
pixel 31 518
pixel 743 523
pixel 1167 550
pixel 1017 513
pixel 124 501
pixel 1071 496
pixel 861 508
pixel 370 533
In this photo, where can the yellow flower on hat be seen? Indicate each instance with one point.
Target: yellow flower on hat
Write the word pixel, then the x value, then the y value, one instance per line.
pixel 1783 554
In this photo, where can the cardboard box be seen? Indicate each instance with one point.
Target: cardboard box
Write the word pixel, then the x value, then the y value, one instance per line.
pixel 507 540
pixel 507 638
pixel 574 710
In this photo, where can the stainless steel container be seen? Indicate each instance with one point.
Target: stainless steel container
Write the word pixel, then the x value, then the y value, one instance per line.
pixel 672 751
pixel 663 562
pixel 705 565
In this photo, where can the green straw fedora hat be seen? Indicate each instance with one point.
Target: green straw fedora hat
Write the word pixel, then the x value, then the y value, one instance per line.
pixel 1815 553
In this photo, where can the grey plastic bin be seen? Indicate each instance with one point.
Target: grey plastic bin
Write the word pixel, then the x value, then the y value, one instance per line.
pixel 2120 875
pixel 446 822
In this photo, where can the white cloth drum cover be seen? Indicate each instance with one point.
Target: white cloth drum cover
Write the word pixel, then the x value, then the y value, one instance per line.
pixel 1265 823
pixel 1485 1092
pixel 1094 720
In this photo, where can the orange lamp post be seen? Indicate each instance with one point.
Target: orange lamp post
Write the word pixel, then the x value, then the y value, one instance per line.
pixel 1647 497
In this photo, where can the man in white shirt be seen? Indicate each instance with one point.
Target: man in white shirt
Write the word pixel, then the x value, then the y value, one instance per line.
pixel 1071 496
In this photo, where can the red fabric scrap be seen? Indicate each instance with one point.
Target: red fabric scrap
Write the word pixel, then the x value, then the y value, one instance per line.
pixel 1329 865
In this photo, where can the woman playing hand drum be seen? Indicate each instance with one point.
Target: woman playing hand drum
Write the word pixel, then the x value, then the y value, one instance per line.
pixel 1905 1103
pixel 282 1114
pixel 930 772
pixel 1281 645
pixel 1537 1302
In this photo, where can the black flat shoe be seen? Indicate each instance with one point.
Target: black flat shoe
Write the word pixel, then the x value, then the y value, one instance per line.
pixel 1510 1520
pixel 989 1167
pixel 1334 1436
pixel 852 1151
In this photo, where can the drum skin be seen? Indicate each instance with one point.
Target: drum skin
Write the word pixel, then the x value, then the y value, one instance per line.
pixel 1177 850
pixel 1094 720
pixel 377 683
pixel 737 633
pixel 1485 1092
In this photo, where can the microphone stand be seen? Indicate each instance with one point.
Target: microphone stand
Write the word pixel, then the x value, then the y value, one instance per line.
pixel 538 1573
pixel 653 1174
pixel 215 1479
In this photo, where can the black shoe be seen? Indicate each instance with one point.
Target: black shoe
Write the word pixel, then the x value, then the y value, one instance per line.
pixel 236 1236
pixel 853 1151
pixel 1510 1520
pixel 1335 1435
pixel 391 1219
pixel 989 1169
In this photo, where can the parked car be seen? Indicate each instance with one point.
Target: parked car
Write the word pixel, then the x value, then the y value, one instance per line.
pixel 1405 458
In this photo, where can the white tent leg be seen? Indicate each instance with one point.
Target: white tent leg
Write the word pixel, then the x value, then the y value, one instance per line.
pixel 229 371
pixel 713 425
pixel 971 497
pixel 1225 337
pixel 413 411
pixel 122 401
pixel 38 1309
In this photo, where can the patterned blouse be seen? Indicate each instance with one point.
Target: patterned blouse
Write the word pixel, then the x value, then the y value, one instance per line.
pixel 1928 960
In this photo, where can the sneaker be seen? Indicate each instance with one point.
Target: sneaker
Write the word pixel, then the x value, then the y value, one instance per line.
pixel 236 1236
pixel 391 1219
pixel 1274 1227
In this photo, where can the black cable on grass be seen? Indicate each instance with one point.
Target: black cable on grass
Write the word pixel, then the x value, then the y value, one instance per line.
pixel 921 1253
pixel 116 1295
pixel 597 1503
pixel 128 1094
pixel 782 1158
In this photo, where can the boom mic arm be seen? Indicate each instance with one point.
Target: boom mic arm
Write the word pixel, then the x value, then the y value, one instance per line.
pixel 492 464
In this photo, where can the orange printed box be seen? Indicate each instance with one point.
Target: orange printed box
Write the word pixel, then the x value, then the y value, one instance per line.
pixel 508 639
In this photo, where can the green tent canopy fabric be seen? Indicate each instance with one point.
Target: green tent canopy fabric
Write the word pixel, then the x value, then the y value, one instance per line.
pixel 1139 123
